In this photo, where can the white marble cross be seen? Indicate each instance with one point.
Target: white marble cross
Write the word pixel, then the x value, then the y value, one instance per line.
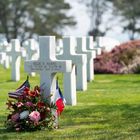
pixel 79 60
pixel 48 65
pixel 7 62
pixel 2 57
pixel 81 49
pixel 4 60
pixel 71 81
pixel 15 54
pixel 4 48
pixel 90 45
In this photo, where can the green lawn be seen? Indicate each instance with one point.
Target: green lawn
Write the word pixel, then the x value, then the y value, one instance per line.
pixel 108 110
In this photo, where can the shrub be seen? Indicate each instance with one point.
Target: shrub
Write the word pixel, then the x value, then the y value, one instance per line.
pixel 120 57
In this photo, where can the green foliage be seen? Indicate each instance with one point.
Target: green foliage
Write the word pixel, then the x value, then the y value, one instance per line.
pixel 96 9
pixel 129 10
pixel 137 69
pixel 109 109
pixel 23 19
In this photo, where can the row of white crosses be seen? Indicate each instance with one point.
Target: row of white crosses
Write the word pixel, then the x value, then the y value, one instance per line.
pixel 72 81
pixel 92 46
pixel 13 52
pixel 16 54
pixel 48 65
pixel 4 58
pixel 81 48
pixel 76 63
pixel 82 59
pixel 79 60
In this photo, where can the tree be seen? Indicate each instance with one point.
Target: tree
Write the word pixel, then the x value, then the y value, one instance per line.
pixel 130 12
pixel 23 19
pixel 97 9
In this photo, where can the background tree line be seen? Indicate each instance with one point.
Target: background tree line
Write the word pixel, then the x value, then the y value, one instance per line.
pixel 26 18
pixel 127 12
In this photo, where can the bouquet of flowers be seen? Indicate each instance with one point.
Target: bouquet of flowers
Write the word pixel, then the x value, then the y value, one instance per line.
pixel 28 112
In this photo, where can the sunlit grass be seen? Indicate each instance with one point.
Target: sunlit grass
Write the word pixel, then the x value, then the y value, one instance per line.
pixel 108 110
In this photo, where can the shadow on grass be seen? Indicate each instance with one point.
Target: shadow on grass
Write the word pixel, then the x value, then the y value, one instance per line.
pixel 3 130
pixel 126 81
pixel 114 121
pixel 9 81
pixel 138 81
pixel 98 121
pixel 105 121
pixel 2 127
pixel 92 110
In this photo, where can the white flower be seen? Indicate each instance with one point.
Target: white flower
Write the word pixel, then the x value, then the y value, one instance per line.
pixel 24 114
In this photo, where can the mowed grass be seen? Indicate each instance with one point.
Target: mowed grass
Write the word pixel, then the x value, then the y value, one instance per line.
pixel 108 110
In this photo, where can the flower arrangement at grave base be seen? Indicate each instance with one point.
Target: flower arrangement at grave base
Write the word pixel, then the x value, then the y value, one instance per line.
pixel 29 112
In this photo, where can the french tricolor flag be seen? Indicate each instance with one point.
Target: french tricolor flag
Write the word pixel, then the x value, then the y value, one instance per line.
pixel 59 100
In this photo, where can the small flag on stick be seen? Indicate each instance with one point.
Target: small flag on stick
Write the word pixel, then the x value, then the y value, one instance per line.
pixel 59 99
pixel 19 91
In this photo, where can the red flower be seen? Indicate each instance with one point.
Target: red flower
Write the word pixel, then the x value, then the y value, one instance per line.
pixel 43 115
pixel 32 93
pixel 40 105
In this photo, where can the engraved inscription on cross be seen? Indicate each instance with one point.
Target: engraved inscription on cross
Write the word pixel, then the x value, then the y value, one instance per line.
pixel 48 65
